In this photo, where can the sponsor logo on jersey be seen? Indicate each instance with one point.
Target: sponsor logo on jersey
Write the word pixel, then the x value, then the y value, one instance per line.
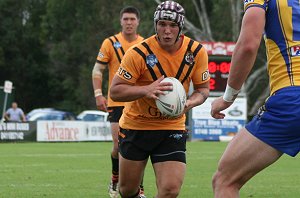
pixel 295 51
pixel 176 136
pixel 151 60
pixel 124 73
pixel 117 45
pixel 100 55
pixel 189 58
pixel 248 1
pixel 205 75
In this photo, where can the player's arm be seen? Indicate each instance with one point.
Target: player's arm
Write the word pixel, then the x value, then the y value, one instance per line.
pixel 198 97
pixel 245 51
pixel 97 78
pixel 124 91
pixel 242 60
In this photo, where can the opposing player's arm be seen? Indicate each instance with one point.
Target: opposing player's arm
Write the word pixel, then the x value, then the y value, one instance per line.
pixel 245 51
pixel 97 78
pixel 242 60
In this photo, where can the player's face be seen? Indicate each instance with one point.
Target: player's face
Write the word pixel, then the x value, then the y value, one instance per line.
pixel 129 23
pixel 167 32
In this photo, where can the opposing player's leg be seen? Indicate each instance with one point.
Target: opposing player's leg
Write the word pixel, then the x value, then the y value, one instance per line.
pixel 244 156
pixel 272 132
pixel 113 186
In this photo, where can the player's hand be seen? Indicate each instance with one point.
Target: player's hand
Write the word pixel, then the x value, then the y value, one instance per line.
pixel 158 87
pixel 217 106
pixel 101 103
pixel 188 105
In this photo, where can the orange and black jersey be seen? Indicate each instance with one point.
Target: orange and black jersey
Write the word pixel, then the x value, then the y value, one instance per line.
pixel 111 54
pixel 145 63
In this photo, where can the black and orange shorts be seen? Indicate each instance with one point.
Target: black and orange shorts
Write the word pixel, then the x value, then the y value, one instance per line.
pixel 115 113
pixel 159 145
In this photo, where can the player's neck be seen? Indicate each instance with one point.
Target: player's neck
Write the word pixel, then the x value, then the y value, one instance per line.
pixel 130 37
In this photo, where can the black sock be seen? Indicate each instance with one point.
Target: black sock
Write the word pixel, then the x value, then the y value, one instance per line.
pixel 115 165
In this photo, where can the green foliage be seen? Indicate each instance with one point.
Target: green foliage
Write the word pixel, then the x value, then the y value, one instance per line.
pixel 22 59
pixel 48 48
pixel 221 21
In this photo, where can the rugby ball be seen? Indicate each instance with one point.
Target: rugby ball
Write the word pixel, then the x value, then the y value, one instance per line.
pixel 172 103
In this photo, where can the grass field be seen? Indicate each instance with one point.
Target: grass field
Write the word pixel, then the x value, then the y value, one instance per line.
pixel 82 170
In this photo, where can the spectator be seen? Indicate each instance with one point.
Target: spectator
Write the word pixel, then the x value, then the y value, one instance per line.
pixel 14 114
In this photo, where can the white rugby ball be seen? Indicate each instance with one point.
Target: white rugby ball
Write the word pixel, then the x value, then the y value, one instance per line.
pixel 172 103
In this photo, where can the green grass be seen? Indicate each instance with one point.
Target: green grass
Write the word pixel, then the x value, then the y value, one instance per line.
pixel 82 170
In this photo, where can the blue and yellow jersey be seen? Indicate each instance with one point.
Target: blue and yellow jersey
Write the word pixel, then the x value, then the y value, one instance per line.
pixel 282 40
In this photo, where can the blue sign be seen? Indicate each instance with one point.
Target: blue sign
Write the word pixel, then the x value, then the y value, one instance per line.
pixel 205 127
pixel 212 129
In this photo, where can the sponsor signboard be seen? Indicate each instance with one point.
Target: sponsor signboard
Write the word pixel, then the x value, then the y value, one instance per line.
pixel 17 131
pixel 70 131
pixel 205 127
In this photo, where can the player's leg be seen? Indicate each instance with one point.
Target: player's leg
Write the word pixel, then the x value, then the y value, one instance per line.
pixel 131 174
pixel 142 190
pixel 113 186
pixel 133 157
pixel 273 131
pixel 169 178
pixel 169 163
pixel 244 156
pixel 114 116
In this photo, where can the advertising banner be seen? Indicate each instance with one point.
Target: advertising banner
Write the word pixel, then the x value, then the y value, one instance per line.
pixel 205 127
pixel 72 131
pixel 17 131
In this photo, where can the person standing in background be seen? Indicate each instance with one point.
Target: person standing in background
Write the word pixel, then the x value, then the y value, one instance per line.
pixel 110 56
pixel 275 129
pixel 15 114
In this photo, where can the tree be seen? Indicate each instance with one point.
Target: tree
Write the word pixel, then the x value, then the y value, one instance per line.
pixel 48 48
pixel 22 59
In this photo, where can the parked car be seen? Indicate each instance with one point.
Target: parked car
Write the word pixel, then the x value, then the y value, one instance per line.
pixel 34 111
pixel 49 114
pixel 93 115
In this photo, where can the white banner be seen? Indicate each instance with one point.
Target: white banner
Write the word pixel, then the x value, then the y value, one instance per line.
pixel 237 111
pixel 73 131
pixel 205 127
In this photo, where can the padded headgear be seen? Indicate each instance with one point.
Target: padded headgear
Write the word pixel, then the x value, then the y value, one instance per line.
pixel 170 11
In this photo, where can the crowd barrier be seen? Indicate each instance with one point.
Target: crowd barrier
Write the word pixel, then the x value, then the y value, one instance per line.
pixel 55 131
